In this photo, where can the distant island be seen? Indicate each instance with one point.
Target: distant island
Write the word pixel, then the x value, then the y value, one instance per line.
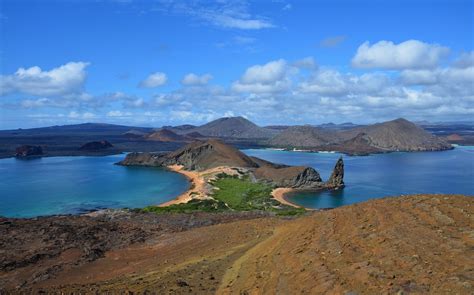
pixel 205 162
pixel 347 138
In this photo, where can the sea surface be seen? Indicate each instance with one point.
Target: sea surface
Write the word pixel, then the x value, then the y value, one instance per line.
pixel 69 185
pixel 382 175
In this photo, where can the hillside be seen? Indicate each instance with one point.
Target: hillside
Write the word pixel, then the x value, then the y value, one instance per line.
pixel 413 244
pixel 213 153
pixel 399 135
pixel 76 129
pixel 396 135
pixel 304 137
pixel 233 127
pixel 166 135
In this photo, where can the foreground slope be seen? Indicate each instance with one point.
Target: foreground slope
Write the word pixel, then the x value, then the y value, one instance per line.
pixel 420 244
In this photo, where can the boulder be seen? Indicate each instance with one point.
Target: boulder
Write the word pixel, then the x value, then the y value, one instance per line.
pixel 28 150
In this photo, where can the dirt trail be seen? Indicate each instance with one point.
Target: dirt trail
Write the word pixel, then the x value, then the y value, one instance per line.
pixel 413 244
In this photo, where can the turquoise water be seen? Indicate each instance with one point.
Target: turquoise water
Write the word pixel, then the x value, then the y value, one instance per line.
pixel 376 176
pixel 63 185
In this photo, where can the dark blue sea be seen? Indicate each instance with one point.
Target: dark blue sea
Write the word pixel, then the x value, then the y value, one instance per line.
pixel 382 175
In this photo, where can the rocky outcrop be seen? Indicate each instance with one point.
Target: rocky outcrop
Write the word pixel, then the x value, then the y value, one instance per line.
pixel 202 155
pixel 141 159
pixel 336 181
pixel 28 150
pixel 198 155
pixel 96 145
pixel 299 177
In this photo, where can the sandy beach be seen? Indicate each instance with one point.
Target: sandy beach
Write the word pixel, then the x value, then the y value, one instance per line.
pixel 198 189
pixel 197 186
pixel 279 195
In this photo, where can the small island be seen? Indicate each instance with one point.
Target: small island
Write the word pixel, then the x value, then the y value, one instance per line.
pixel 224 178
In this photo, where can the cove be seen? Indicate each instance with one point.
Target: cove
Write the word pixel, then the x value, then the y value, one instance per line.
pixel 382 175
pixel 71 185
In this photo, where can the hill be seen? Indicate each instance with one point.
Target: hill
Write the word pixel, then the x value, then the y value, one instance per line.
pixel 405 245
pixel 396 135
pixel 233 127
pixel 213 153
pixel 166 135
pixel 399 135
pixel 304 137
pixel 76 129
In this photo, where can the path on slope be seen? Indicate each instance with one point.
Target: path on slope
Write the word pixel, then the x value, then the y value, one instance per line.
pixel 412 244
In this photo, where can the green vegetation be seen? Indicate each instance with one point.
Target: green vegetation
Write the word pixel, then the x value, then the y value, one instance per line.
pixel 191 206
pixel 233 193
pixel 242 194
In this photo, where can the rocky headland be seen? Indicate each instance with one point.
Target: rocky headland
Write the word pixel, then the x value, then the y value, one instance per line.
pixel 213 157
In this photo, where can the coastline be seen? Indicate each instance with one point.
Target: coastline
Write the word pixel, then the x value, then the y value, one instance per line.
pixel 279 195
pixel 196 188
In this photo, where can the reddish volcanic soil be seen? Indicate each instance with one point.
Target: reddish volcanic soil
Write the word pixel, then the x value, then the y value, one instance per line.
pixel 420 244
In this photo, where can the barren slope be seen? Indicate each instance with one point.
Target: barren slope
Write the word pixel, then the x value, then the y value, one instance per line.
pixel 414 244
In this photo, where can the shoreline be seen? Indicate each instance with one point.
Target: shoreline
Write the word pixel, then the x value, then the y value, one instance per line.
pixel 197 184
pixel 279 195
pixel 198 187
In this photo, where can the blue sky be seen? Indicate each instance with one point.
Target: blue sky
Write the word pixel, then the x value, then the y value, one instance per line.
pixel 154 63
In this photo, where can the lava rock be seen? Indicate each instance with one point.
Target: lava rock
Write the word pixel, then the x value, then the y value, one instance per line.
pixel 28 150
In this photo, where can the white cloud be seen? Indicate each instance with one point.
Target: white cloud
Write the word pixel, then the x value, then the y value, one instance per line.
pixel 117 113
pixel 223 14
pixel 65 79
pixel 329 82
pixel 267 73
pixel 287 7
pixel 411 54
pixel 465 60
pixel 229 21
pixel 267 78
pixel 193 79
pixel 135 103
pixel 154 80
pixel 418 77
pixel 76 115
